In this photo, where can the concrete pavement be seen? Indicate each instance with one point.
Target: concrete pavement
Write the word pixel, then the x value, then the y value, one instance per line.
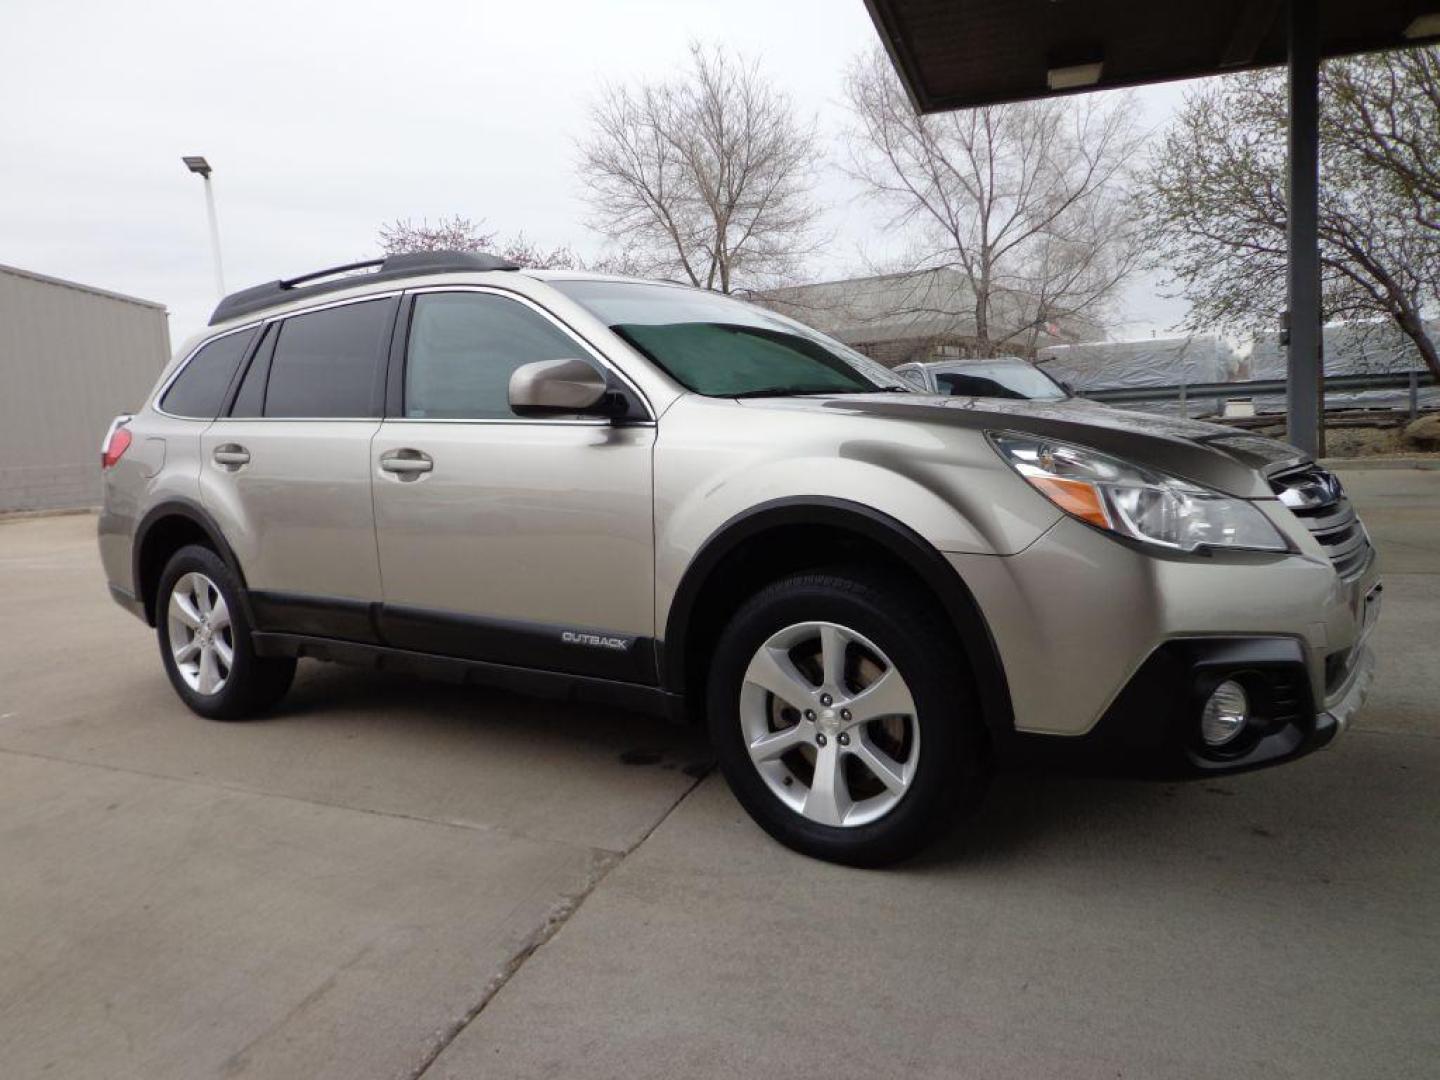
pixel 392 878
pixel 1278 924
pixel 331 892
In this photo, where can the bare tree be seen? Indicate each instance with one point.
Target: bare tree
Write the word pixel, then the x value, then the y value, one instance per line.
pixel 455 233
pixel 1027 202
pixel 458 233
pixel 704 177
pixel 1215 196
pixel 1387 113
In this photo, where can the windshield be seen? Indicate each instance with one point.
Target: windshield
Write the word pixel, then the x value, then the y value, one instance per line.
pixel 717 346
pixel 1015 380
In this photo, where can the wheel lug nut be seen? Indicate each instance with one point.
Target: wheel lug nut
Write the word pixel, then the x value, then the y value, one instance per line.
pixel 845 714
pixel 820 740
pixel 826 699
pixel 810 715
pixel 844 738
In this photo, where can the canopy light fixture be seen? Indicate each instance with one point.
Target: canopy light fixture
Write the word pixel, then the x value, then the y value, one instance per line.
pixel 1424 26
pixel 1069 78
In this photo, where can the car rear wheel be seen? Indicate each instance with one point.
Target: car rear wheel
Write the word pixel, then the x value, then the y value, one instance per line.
pixel 842 717
pixel 205 640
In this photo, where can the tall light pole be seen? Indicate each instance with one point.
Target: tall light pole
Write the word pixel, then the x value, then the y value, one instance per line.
pixel 199 165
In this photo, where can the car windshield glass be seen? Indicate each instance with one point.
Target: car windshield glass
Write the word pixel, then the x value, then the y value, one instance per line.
pixel 1002 381
pixel 721 347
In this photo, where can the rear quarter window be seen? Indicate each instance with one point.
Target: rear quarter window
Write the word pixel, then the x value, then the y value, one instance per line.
pixel 199 389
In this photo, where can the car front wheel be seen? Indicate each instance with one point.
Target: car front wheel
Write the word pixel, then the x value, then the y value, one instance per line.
pixel 842 716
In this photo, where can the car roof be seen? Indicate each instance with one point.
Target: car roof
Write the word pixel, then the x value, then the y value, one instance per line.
pixel 979 362
pixel 393 271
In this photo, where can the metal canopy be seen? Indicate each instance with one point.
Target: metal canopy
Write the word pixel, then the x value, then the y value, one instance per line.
pixel 957 54
pixel 960 54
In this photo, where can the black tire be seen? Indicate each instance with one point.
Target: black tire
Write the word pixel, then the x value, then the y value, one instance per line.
pixel 950 768
pixel 253 683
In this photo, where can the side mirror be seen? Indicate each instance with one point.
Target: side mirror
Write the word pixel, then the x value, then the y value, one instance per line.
pixel 560 388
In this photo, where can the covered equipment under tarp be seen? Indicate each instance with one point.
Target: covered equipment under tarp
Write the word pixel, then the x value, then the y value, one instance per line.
pixel 1350 349
pixel 1169 361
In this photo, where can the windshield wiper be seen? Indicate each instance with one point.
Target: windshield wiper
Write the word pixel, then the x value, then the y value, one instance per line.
pixel 796 391
pixel 782 391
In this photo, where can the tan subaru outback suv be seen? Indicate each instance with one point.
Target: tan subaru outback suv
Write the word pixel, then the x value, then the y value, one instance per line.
pixel 650 496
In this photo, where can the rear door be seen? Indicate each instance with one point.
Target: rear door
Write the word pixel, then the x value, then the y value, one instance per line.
pixel 287 471
pixel 519 541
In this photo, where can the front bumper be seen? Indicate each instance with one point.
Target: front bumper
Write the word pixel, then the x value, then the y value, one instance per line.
pixel 1102 643
pixel 1152 727
pixel 1075 616
pixel 1353 691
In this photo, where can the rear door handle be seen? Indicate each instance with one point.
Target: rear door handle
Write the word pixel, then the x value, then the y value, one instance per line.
pixel 231 455
pixel 407 464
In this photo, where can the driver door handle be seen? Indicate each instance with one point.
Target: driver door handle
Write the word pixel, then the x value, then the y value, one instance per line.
pixel 407 464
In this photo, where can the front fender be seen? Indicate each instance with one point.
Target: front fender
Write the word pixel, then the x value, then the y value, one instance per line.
pixel 716 460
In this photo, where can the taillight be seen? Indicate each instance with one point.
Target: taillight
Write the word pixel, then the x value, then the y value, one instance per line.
pixel 117 441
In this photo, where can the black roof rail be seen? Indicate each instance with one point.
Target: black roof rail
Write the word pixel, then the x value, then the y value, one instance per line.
pixel 260 297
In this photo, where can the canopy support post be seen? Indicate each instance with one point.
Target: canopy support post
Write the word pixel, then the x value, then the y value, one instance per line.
pixel 1303 391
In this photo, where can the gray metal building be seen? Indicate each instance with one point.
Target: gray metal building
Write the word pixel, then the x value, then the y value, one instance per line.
pixel 71 358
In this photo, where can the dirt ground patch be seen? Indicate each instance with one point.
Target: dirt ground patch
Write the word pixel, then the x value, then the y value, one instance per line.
pixel 1345 439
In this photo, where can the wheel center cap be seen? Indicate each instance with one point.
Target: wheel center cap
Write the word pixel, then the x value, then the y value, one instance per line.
pixel 828 720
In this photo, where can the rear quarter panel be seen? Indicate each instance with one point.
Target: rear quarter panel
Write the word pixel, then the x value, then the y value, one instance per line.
pixel 162 464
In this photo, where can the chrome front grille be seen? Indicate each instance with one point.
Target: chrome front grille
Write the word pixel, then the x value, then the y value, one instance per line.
pixel 1315 496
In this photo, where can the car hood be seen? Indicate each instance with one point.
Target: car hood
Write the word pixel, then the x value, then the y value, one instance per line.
pixel 1222 458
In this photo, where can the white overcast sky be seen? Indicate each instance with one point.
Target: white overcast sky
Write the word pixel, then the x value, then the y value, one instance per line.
pixel 324 120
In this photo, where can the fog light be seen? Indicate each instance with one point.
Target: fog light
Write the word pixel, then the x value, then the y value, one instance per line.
pixel 1225 714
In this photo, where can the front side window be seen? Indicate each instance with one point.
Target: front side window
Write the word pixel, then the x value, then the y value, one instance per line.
pixel 199 389
pixel 913 376
pixel 330 363
pixel 1001 381
pixel 718 346
pixel 463 348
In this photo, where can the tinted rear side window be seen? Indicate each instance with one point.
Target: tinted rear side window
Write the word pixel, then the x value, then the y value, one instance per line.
pixel 200 387
pixel 331 363
pixel 250 398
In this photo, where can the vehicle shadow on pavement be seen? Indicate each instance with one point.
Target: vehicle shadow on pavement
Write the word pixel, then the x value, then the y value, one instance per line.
pixel 1320 817
pixel 341 695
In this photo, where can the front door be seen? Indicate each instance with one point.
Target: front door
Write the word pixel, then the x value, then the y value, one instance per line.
pixel 512 540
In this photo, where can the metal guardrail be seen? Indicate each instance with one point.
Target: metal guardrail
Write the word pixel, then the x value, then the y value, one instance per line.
pixel 1403 380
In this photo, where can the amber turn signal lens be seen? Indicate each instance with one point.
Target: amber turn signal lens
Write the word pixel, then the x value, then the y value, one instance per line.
pixel 1074 497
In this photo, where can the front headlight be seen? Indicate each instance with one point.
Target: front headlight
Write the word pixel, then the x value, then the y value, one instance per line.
pixel 1126 499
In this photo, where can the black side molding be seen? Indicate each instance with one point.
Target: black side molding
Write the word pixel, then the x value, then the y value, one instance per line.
pixel 574 650
pixel 565 650
pixel 330 617
pixel 560 686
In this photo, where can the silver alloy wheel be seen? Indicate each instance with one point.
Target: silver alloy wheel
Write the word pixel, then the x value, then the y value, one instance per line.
pixel 201 638
pixel 830 724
